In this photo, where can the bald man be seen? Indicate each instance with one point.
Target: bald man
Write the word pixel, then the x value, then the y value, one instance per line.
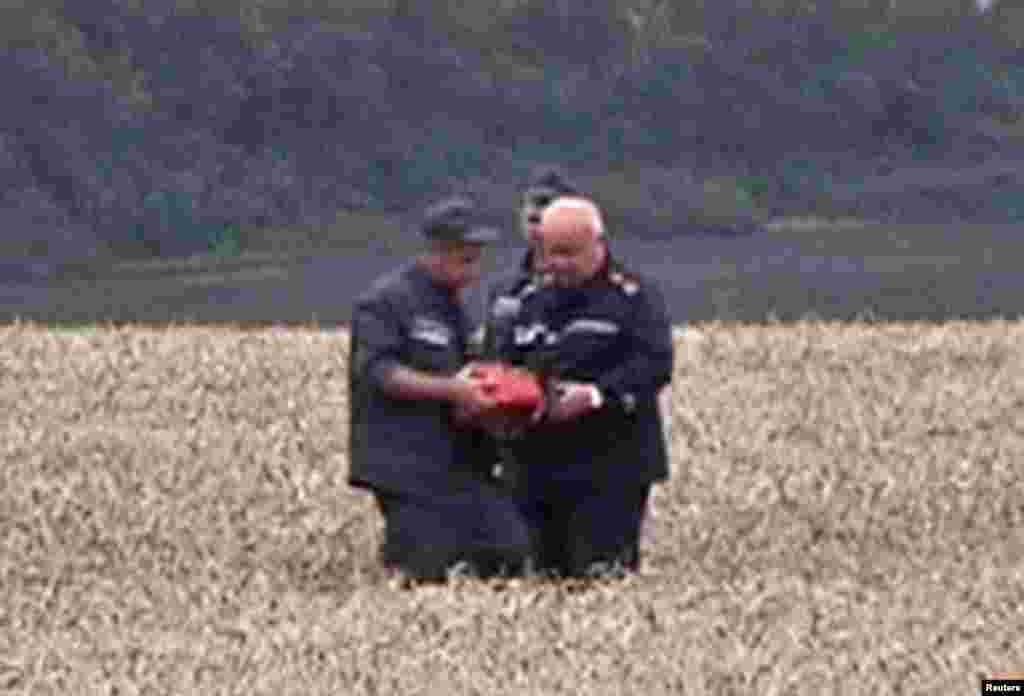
pixel 602 334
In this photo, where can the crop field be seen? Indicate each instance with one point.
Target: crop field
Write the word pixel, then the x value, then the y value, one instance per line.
pixel 844 516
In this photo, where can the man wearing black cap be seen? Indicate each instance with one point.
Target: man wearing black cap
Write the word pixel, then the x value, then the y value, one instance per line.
pixel 504 298
pixel 505 295
pixel 409 340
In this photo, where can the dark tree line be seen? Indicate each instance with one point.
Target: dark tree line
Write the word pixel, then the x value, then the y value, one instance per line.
pixel 288 127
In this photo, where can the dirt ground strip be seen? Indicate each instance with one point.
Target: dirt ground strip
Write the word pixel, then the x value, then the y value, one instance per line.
pixel 792 271
pixel 843 517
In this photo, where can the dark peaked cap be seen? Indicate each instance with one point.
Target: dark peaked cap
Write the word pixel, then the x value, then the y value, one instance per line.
pixel 457 219
pixel 551 180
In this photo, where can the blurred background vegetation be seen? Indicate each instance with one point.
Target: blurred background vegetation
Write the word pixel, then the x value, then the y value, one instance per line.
pixel 142 128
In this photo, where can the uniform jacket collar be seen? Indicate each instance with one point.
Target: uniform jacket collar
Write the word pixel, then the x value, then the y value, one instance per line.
pixel 608 268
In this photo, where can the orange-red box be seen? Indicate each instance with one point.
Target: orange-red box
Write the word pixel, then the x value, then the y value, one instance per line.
pixel 514 389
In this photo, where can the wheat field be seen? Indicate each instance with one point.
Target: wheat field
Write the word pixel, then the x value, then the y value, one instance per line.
pixel 844 516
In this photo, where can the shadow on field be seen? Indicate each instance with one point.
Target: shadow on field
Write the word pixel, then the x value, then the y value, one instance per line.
pixel 890 272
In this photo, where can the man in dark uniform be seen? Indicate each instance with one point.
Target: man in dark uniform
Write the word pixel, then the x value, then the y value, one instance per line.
pixel 504 296
pixel 409 341
pixel 603 336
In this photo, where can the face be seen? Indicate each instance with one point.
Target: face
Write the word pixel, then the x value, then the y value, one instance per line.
pixel 459 265
pixel 570 251
pixel 534 203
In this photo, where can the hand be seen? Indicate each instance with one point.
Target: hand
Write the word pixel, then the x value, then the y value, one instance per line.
pixel 470 398
pixel 575 400
pixel 467 369
pixel 539 413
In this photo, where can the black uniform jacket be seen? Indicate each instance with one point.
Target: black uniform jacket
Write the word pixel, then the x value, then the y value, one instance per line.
pixel 396 445
pixel 613 332
pixel 504 300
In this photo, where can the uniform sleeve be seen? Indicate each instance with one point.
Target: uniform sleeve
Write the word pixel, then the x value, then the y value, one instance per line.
pixel 648 365
pixel 377 338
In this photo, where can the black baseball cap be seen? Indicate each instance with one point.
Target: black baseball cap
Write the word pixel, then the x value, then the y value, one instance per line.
pixel 457 219
pixel 549 182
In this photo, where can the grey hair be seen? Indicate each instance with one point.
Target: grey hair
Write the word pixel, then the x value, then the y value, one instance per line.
pixel 594 219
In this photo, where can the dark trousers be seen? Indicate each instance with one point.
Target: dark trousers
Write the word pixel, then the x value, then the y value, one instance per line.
pixel 426 537
pixel 579 530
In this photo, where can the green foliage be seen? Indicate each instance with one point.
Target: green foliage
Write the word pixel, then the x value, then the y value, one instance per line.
pixel 755 186
pixel 676 93
pixel 171 220
pixel 801 176
pixel 227 241
pixel 724 199
pixel 861 44
pixel 1009 200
